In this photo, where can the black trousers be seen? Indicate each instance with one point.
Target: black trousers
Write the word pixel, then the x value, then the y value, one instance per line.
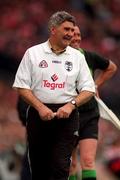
pixel 25 171
pixel 51 144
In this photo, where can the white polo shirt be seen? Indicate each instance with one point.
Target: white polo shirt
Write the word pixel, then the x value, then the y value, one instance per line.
pixel 53 78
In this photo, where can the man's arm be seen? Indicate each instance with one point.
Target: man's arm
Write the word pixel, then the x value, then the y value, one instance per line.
pixel 85 87
pixel 65 111
pixel 106 74
pixel 44 112
pixel 83 97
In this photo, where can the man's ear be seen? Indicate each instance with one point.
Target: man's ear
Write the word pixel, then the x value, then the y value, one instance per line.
pixel 53 30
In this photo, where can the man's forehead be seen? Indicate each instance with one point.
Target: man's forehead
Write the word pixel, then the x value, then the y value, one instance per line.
pixel 67 24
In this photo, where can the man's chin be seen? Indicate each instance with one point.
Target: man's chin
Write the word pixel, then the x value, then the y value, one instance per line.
pixel 66 44
pixel 74 45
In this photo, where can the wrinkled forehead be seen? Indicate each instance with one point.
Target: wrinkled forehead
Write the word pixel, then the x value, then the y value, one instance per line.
pixel 68 24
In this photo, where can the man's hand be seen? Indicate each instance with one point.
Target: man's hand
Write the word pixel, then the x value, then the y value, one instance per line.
pixel 45 113
pixel 65 111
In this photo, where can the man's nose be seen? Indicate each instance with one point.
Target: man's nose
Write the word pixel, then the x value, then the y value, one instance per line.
pixel 71 33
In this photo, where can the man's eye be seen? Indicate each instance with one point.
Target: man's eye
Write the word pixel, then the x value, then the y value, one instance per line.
pixel 67 29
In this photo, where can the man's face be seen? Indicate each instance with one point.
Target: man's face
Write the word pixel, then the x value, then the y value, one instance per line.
pixel 63 34
pixel 75 41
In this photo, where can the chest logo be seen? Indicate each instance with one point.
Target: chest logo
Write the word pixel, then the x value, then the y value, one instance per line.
pixel 53 86
pixel 56 62
pixel 54 77
pixel 68 65
pixel 43 64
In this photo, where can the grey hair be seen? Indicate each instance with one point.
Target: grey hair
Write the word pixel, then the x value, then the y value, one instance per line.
pixel 60 17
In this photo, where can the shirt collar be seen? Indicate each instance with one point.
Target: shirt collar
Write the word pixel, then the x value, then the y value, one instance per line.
pixel 47 48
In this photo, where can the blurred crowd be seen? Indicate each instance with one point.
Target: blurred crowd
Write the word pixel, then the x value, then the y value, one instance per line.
pixel 24 24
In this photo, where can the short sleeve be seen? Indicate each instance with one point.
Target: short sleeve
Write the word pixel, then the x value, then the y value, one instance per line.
pixel 23 75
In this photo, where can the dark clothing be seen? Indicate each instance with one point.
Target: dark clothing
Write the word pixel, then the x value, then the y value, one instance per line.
pixel 89 116
pixel 8 68
pixel 89 113
pixel 25 173
pixel 90 105
pixel 22 107
pixel 95 61
pixel 8 63
pixel 51 144
pixel 89 124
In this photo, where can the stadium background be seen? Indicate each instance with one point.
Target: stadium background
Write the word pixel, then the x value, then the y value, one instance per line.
pixel 24 24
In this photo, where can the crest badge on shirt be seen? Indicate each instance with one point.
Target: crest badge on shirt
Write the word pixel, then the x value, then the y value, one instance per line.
pixel 54 77
pixel 68 65
pixel 43 64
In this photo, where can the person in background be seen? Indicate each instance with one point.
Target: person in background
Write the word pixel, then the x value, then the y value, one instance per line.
pixel 89 113
pixel 47 78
